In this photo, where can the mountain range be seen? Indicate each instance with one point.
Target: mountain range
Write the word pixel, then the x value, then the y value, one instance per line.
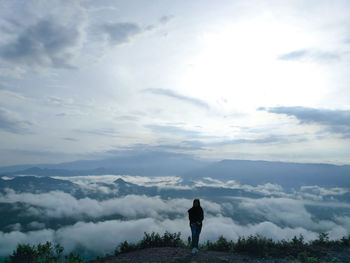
pixel 170 164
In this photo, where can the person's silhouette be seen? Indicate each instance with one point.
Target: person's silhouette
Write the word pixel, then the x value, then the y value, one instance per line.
pixel 196 216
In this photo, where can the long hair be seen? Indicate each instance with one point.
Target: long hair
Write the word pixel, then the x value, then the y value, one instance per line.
pixel 196 201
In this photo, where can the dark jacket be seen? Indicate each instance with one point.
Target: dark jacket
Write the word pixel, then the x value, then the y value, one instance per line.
pixel 195 214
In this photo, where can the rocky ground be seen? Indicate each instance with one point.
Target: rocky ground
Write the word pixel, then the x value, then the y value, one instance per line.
pixel 184 255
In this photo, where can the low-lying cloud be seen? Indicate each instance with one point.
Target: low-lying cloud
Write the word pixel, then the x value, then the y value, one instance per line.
pixel 267 189
pixel 279 215
pixel 99 183
pixel 58 204
pixel 103 237
pixel 321 191
pixel 94 182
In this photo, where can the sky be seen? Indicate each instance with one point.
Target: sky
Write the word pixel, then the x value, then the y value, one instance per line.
pixel 257 80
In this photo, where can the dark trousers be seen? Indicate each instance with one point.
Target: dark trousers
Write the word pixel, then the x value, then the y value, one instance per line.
pixel 196 230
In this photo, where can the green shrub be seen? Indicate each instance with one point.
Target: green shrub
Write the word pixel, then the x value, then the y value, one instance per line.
pixel 289 248
pixel 23 254
pixel 299 242
pixel 73 258
pixel 172 240
pixel 255 245
pixel 312 260
pixel 126 247
pixel 296 249
pixel 167 240
pixel 323 240
pixel 152 240
pixel 220 245
pixel 345 241
pixel 42 253
pixel 303 257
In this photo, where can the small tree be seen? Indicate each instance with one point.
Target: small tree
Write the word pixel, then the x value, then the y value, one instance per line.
pixel 42 253
pixel 23 254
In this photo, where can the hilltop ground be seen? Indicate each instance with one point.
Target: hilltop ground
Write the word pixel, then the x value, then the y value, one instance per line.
pixel 184 255
pixel 172 255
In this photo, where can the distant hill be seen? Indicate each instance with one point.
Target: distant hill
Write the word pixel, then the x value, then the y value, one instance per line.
pixel 146 164
pixel 282 173
pixel 34 184
pixel 58 172
pixel 168 164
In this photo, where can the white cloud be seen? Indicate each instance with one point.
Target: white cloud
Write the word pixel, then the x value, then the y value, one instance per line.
pixel 192 59
pixel 103 237
pixel 292 213
pixel 14 227
pixel 37 40
pixel 283 218
pixel 280 210
pixel 265 189
pixel 59 204
pixel 321 191
pixel 92 181
pixel 46 44
pixel 120 33
pixel 9 241
pixel 36 225
pixel 12 122
pixel 216 226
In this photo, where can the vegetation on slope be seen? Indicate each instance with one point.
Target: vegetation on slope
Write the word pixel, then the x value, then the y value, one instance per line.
pixel 297 250
pixel 321 250
pixel 42 253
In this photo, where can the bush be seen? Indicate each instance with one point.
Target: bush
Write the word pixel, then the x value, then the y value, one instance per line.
pixel 296 249
pixel 220 245
pixel 345 241
pixel 172 240
pixel 23 254
pixel 152 240
pixel 42 253
pixel 73 258
pixel 167 240
pixel 126 247
pixel 323 240
pixel 302 257
pixel 255 245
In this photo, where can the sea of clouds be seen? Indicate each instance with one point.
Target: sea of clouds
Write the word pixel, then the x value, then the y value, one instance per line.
pixel 282 215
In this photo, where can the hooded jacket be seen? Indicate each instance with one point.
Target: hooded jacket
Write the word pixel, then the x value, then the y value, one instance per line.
pixel 195 214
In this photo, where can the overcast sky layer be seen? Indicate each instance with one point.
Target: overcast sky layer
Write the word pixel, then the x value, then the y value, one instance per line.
pixel 217 79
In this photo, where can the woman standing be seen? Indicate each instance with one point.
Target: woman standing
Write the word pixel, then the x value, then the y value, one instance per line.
pixel 195 214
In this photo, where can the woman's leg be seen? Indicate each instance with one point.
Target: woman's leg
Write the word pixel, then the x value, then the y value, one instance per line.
pixel 198 231
pixel 194 236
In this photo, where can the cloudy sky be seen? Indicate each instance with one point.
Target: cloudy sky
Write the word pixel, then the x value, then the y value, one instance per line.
pixel 217 79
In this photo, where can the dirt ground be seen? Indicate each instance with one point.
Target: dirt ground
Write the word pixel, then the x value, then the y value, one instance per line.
pixel 184 255
pixel 178 255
